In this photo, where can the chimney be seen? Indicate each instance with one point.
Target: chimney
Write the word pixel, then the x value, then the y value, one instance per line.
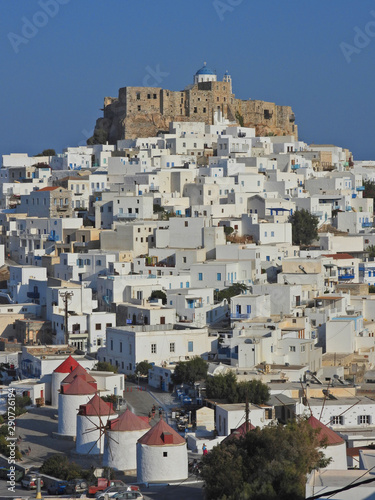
pixel 167 438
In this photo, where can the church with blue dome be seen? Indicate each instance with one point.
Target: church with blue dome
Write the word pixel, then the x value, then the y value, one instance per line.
pixel 205 74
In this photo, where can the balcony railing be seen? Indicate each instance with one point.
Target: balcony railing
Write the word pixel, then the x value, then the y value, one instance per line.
pixel 127 216
pixel 366 224
pixel 296 166
pixel 33 295
pixel 360 188
pixel 343 277
pixel 239 316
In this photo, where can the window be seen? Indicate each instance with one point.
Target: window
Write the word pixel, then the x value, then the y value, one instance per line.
pixel 98 326
pixel 120 346
pixel 108 325
pixel 165 453
pixel 139 108
pixel 153 348
pixel 200 276
pixel 218 276
pixel 190 346
pixel 186 223
pixel 111 345
pixel 130 349
pixel 364 419
pixel 172 347
pixel 337 420
pixel 292 348
pixel 248 309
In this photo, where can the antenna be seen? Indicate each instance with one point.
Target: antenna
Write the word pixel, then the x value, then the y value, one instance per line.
pixel 66 297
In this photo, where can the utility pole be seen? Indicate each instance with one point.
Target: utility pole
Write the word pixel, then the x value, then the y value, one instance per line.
pixel 247 414
pixel 66 297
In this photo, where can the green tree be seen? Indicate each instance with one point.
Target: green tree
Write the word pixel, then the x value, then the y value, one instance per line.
pixel 105 366
pixel 254 390
pixel 371 251
pixel 232 291
pixel 100 137
pixel 369 191
pixel 158 208
pixel 188 372
pixel 159 294
pixel 269 463
pixel 61 467
pixel 228 230
pixel 222 387
pixel 304 227
pixel 47 152
pixel 240 119
pixel 227 387
pixel 143 367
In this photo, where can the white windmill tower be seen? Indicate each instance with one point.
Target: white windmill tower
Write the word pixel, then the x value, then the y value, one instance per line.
pixel 92 421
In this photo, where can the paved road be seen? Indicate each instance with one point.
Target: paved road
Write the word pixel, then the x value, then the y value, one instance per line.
pixel 35 428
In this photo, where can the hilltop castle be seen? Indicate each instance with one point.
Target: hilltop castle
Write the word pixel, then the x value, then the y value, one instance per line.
pixel 144 111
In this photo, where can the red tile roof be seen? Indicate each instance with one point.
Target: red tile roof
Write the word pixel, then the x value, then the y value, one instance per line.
pixel 162 434
pixel 67 366
pixel 240 432
pixel 128 422
pixel 79 370
pixel 337 256
pixel 96 407
pixel 49 188
pixel 79 386
pixel 328 435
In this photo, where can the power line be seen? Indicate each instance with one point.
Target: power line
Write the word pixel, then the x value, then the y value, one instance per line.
pixel 345 488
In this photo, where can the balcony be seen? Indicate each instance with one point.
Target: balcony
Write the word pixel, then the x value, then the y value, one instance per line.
pixel 62 208
pixel 345 277
pixel 240 316
pixel 78 333
pixel 33 295
pixel 360 188
pixel 366 224
pixel 296 166
pixel 127 216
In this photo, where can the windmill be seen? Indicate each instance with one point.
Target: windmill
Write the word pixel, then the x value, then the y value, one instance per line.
pixel 92 424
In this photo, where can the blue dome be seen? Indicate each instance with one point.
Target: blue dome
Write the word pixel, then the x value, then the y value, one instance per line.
pixel 205 71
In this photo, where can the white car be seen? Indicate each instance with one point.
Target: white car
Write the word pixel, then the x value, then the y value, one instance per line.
pixel 111 491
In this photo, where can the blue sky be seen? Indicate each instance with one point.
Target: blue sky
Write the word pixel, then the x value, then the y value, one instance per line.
pixel 55 76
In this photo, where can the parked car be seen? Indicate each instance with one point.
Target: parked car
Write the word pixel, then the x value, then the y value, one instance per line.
pixel 111 492
pixel 58 488
pixel 30 481
pixel 5 472
pixel 102 484
pixel 129 495
pixel 76 486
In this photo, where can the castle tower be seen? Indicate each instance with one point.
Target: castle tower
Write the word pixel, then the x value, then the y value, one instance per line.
pixel 228 79
pixel 205 75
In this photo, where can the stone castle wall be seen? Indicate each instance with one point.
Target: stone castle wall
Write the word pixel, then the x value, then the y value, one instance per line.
pixel 145 111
